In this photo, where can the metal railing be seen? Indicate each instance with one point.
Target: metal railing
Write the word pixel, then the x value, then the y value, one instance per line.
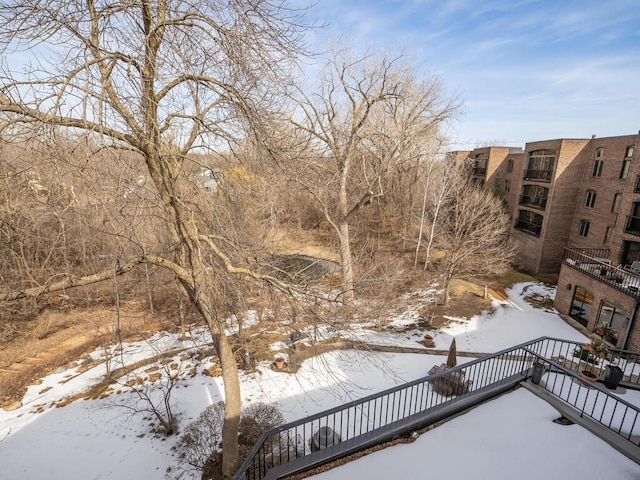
pixel 340 431
pixel 590 400
pixel 567 354
pixel 538 175
pixel 633 225
pixel 379 417
pixel 529 227
pixel 480 171
pixel 599 267
pixel 533 201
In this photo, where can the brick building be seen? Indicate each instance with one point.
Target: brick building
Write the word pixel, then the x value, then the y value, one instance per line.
pixel 575 205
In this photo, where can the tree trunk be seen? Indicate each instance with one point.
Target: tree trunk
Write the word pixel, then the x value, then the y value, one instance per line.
pixel 198 288
pixel 422 214
pixel 447 283
pixel 348 288
pixel 232 399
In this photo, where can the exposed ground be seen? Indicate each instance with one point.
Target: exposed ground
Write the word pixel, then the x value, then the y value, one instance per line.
pixel 55 339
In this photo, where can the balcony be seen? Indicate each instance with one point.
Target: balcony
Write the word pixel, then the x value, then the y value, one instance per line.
pixel 532 201
pixel 479 171
pixel 538 175
pixel 594 262
pixel 529 227
pixel 546 365
pixel 632 226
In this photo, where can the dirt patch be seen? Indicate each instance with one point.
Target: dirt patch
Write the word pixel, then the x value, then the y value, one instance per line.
pixel 540 301
pixel 467 300
pixel 55 339
pixel 291 241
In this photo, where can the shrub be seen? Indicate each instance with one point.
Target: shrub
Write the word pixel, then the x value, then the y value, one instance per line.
pixel 201 438
pixel 255 420
pixel 200 446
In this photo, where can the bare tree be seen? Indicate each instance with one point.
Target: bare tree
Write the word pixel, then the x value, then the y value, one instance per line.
pixel 152 392
pixel 474 234
pixel 369 116
pixel 442 177
pixel 160 79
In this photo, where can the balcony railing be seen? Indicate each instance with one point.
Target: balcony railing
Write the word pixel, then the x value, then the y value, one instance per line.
pixel 327 436
pixel 535 202
pixel 378 418
pixel 633 225
pixel 594 262
pixel 538 175
pixel 479 171
pixel 529 227
pixel 560 365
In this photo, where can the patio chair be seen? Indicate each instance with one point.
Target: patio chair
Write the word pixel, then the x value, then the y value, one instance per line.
pixel 633 268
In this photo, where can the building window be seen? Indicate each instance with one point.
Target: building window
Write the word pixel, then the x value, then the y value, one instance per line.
pixel 581 305
pixel 510 165
pixel 614 319
pixel 636 189
pixel 530 222
pixel 633 220
pixel 507 185
pixel 590 201
pixel 480 165
pixel 607 235
pixel 615 206
pixel 624 171
pixel 629 151
pixel 584 228
pixel 540 165
pixel 534 196
pixel 600 153
pixel 597 168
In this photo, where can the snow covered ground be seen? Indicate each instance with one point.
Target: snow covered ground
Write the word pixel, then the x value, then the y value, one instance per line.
pixel 512 436
pixel 102 439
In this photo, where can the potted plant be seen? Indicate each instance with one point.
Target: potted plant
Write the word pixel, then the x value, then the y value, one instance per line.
pixel 585 354
pixel 279 363
pixel 599 348
pixel 610 334
pixel 600 329
pixel 428 341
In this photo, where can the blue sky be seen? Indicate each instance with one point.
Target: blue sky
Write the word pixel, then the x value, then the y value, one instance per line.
pixel 525 70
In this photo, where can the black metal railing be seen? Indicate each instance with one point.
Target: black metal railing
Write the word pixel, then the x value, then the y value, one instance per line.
pixel 568 355
pixel 531 201
pixel 529 227
pixel 590 399
pixel 633 225
pixel 538 175
pixel 480 171
pixel 351 427
pixel 599 267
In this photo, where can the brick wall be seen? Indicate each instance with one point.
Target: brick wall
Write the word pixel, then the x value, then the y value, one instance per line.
pixel 561 205
pixel 600 216
pixel 564 296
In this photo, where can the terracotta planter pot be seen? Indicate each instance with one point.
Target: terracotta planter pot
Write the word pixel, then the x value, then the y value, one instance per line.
pixel 588 376
pixel 279 363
